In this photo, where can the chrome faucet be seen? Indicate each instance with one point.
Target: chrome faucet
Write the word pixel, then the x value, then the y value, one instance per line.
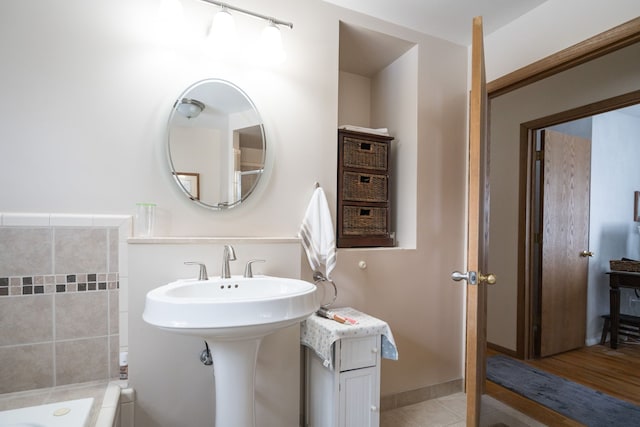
pixel 248 271
pixel 203 269
pixel 228 255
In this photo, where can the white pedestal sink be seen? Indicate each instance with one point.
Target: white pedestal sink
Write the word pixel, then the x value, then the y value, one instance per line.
pixel 232 315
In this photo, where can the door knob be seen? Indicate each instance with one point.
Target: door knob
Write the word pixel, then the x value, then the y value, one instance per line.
pixel 489 279
pixel 473 278
pixel 585 254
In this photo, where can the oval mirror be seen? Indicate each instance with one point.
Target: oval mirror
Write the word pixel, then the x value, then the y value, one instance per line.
pixel 216 144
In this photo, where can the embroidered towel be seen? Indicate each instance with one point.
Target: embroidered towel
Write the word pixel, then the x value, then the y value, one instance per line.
pixel 318 235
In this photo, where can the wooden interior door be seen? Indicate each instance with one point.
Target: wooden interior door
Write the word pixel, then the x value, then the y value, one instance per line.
pixel 478 231
pixel 565 242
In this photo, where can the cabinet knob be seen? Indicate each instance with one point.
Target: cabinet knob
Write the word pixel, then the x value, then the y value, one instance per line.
pixel 374 408
pixel 374 350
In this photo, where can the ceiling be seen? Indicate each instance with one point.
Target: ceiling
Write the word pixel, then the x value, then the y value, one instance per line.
pixel 445 19
pixel 365 52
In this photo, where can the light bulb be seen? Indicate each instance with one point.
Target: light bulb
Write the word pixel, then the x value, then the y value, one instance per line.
pixel 271 44
pixel 223 28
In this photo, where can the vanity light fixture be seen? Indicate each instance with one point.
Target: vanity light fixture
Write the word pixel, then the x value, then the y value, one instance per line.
pixel 223 27
pixel 271 44
pixel 190 108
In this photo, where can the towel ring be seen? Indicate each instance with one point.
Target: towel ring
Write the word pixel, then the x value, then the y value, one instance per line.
pixel 319 277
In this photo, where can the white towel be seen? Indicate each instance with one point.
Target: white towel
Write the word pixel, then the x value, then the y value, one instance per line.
pixel 379 131
pixel 317 234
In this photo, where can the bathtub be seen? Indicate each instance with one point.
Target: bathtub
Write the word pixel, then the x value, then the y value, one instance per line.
pixel 71 413
pixel 110 404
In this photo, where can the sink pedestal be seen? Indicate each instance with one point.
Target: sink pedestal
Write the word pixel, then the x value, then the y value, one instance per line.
pixel 233 315
pixel 234 369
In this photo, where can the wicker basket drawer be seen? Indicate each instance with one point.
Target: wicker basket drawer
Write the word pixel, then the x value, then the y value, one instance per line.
pixel 361 153
pixel 625 265
pixel 364 220
pixel 364 187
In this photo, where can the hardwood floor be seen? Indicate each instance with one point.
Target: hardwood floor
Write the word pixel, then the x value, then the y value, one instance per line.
pixel 614 372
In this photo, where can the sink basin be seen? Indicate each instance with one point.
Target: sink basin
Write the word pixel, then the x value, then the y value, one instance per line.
pixel 230 308
pixel 232 315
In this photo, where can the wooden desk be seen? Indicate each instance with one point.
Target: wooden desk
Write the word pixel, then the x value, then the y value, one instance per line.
pixel 617 280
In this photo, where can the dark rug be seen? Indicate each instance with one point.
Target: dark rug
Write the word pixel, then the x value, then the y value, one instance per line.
pixel 575 401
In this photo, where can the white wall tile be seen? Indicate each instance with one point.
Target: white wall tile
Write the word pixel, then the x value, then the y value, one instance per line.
pixel 26 219
pixel 71 220
pixel 124 330
pixel 112 221
pixel 35 230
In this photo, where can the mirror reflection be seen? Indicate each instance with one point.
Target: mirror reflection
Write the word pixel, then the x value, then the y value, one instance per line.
pixel 216 144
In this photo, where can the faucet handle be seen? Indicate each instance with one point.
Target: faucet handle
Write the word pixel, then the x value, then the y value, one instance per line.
pixel 229 253
pixel 203 269
pixel 248 272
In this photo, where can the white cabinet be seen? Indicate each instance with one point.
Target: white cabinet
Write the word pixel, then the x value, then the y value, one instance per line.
pixel 342 368
pixel 347 395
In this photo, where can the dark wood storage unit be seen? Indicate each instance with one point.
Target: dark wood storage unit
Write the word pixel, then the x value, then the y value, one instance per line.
pixel 363 190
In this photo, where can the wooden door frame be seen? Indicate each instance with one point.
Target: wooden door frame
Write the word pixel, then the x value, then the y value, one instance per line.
pixel 599 45
pixel 609 41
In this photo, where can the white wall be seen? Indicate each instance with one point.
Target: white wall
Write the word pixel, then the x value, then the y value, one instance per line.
pixel 90 93
pixel 209 144
pixel 354 100
pixel 394 106
pixel 549 28
pixel 613 234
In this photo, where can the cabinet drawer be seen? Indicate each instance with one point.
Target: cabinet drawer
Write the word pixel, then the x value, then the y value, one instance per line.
pixel 367 154
pixel 364 187
pixel 364 220
pixel 356 353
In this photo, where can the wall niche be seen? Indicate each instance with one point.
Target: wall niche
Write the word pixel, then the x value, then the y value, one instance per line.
pixel 378 88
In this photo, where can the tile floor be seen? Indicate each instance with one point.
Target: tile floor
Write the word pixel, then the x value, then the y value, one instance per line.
pixel 450 410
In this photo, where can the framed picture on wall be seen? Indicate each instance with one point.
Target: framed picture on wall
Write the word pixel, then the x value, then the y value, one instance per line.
pixel 190 182
pixel 636 206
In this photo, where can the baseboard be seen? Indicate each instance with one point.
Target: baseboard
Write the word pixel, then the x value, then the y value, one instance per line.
pixel 503 350
pixel 410 397
pixel 592 341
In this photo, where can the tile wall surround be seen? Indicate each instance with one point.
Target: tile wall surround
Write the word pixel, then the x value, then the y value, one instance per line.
pixel 55 283
pixel 61 305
